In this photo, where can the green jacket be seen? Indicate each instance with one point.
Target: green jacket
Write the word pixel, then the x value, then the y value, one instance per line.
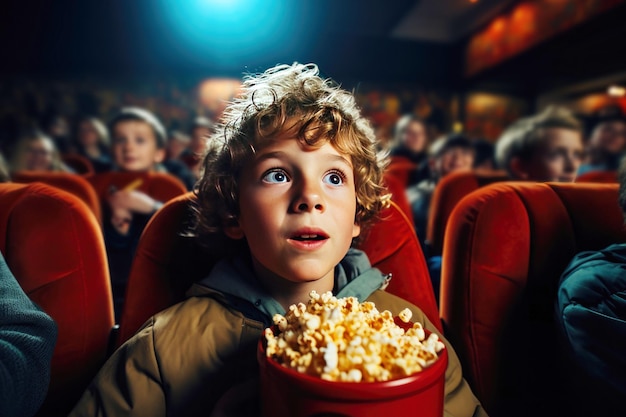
pixel 199 357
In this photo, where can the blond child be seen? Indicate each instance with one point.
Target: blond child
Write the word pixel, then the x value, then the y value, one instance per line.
pixel 544 147
pixel 292 183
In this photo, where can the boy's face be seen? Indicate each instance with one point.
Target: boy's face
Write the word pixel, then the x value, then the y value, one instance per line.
pixel 414 137
pixel 199 136
pixel 557 158
pixel 610 136
pixel 456 158
pixel 297 210
pixel 135 147
pixel 39 155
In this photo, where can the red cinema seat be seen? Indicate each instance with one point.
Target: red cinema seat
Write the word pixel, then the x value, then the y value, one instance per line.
pixel 606 177
pixel 448 192
pixel 506 246
pixel 72 183
pixel 167 263
pixel 158 185
pixel 401 169
pixel 53 245
pixel 80 164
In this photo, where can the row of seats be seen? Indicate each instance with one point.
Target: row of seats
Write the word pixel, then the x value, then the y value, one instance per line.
pixel 93 189
pixel 505 247
pixel 452 188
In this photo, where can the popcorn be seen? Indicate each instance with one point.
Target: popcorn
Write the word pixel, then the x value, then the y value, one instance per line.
pixel 340 339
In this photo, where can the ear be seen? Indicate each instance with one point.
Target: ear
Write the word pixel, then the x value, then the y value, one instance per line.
pixel 159 156
pixel 234 231
pixel 356 230
pixel 518 168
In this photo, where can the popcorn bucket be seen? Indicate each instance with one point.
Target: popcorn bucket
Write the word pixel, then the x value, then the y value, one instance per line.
pixel 288 393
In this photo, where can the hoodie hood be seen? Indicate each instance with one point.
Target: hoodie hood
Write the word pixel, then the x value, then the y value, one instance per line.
pixel 235 279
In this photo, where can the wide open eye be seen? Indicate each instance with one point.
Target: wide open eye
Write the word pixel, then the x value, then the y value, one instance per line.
pixel 334 178
pixel 276 176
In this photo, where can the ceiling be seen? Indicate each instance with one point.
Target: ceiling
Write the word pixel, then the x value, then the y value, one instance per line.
pixel 442 21
pixel 353 41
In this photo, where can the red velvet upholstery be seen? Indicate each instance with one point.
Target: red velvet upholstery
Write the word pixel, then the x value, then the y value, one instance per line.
pixel 166 264
pixel 53 244
pixel 448 192
pixel 78 163
pixel 158 185
pixel 598 176
pixel 71 183
pixel 398 195
pixel 505 248
pixel 400 168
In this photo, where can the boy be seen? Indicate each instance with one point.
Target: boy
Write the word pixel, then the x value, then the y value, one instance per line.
pixel 545 147
pixel 294 180
pixel 607 141
pixel 448 154
pixel 138 145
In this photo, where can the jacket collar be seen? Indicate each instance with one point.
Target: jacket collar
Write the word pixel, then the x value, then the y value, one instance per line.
pixel 235 278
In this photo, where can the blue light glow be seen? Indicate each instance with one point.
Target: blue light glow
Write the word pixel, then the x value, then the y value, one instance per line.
pixel 229 29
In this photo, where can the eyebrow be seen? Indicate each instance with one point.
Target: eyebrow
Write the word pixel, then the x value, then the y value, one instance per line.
pixel 280 155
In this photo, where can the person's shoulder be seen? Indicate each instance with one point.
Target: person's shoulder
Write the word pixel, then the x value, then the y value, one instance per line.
pixel 196 313
pixel 593 276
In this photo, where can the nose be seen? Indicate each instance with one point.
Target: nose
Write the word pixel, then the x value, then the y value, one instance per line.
pixel 571 163
pixel 308 197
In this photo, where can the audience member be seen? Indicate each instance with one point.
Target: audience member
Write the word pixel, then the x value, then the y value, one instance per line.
pixel 295 150
pixel 545 147
pixel 201 130
pixel 484 152
pixel 178 145
pixel 138 145
pixel 451 153
pixel 591 314
pixel 92 141
pixel 27 340
pixel 4 170
pixel 35 151
pixel 176 149
pixel 410 144
pixel 57 127
pixel 607 141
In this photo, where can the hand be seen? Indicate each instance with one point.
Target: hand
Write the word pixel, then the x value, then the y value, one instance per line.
pixel 133 201
pixel 120 220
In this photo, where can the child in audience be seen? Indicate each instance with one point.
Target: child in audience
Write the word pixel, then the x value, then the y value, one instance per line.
pixel 411 144
pixel 292 182
pixel 201 130
pixel 35 151
pixel 607 141
pixel 448 154
pixel 177 148
pixel 545 147
pixel 138 145
pixel 591 313
pixel 92 141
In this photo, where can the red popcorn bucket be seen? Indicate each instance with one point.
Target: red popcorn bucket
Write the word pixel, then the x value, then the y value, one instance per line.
pixel 288 393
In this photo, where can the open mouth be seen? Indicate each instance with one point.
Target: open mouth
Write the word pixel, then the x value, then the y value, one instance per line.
pixel 309 237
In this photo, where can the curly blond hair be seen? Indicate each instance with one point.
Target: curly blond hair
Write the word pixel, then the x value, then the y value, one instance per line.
pixel 267 107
